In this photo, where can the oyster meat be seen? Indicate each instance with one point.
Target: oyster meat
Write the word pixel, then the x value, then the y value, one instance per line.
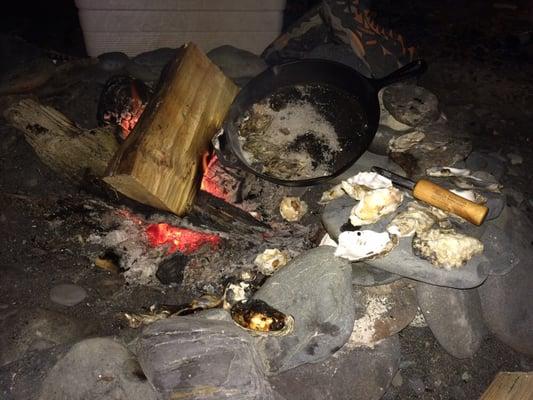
pixel 363 245
pixel 270 260
pixel 259 317
pixel 359 185
pixel 375 204
pixel 445 248
pixel 292 209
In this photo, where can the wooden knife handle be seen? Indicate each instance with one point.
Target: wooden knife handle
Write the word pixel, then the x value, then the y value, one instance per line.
pixel 442 198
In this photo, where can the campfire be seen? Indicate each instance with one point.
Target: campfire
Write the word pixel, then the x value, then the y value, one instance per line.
pixel 293 256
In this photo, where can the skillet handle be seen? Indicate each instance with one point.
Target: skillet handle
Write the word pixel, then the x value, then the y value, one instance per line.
pixel 411 70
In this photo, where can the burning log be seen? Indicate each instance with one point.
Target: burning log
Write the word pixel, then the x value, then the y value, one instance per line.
pixel 73 152
pixel 159 163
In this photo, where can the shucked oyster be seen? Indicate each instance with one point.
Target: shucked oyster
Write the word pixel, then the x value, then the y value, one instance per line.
pixel 259 317
pixel 446 248
pixel 417 218
pixel 374 204
pixel 292 209
pixel 270 260
pixel 363 245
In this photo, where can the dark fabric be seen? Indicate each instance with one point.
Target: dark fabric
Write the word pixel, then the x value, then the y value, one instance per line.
pixel 373 50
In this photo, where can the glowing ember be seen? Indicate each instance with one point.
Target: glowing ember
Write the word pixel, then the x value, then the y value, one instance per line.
pixel 209 182
pixel 183 240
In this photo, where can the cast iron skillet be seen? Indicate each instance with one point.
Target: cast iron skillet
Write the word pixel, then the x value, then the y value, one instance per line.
pixel 355 139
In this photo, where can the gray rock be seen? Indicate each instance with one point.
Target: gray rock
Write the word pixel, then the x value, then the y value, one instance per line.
pixel 410 104
pixel 113 61
pixel 155 59
pixel 494 165
pixel 237 64
pixel 507 301
pixel 146 74
pixel 27 330
pixel 29 373
pixel 365 275
pixel 201 358
pixel 316 289
pixel 417 385
pixel 361 373
pixel 382 311
pixel 98 368
pixel 454 317
pixel 67 294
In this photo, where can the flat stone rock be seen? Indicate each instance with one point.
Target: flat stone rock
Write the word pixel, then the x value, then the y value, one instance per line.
pixel 382 311
pixel 498 257
pixel 97 369
pixel 365 275
pixel 201 358
pixel 361 373
pixel 67 294
pixel 507 300
pixel 34 329
pixel 316 289
pixel 454 317
pixel 237 63
pixel 410 104
pixel 365 163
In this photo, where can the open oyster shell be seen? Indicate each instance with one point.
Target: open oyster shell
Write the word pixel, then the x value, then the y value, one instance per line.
pixel 445 248
pixel 364 245
pixel 417 218
pixel 375 204
pixel 260 318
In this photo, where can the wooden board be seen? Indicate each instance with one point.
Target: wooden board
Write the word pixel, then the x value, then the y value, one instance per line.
pixel 510 386
pixel 159 163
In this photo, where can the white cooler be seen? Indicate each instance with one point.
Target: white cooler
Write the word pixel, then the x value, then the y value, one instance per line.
pixel 135 26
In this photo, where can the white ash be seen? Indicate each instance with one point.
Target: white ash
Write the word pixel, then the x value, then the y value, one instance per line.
pixel 419 321
pixel 364 329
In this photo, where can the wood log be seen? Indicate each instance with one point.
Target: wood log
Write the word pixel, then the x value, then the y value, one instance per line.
pixel 70 151
pixel 159 163
pixel 510 386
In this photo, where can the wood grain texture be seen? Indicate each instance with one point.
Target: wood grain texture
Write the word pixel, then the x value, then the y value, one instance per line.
pixel 510 386
pixel 159 163
pixel 68 150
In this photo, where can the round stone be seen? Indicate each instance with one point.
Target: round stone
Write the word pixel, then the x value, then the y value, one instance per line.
pixel 67 294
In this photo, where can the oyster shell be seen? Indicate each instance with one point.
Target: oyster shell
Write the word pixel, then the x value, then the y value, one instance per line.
pixel 374 204
pixel 292 209
pixel 445 248
pixel 270 260
pixel 403 143
pixel 260 318
pixel 359 185
pixel 363 245
pixel 236 293
pixel 334 193
pixel 417 218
